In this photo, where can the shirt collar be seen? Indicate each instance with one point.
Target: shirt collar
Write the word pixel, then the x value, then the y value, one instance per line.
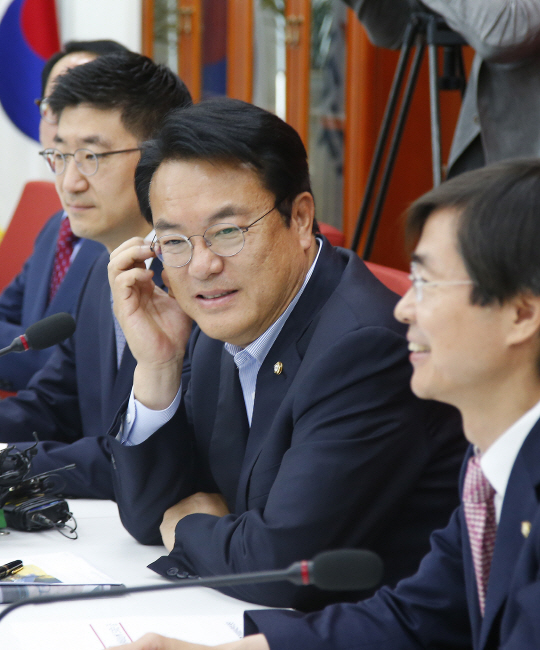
pixel 260 347
pixel 498 460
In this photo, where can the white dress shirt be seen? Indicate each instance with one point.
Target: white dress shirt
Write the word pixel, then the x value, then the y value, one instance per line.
pixel 498 460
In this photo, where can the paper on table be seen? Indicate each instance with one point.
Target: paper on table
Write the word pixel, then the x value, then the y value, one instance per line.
pixel 68 569
pixel 106 633
pixel 55 573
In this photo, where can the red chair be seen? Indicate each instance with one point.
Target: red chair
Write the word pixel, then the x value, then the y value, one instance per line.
pixel 38 202
pixel 394 279
pixel 334 236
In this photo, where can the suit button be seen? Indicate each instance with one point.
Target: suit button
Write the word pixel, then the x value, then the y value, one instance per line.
pixel 172 571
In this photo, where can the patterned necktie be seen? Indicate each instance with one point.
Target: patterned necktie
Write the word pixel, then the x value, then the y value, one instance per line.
pixel 481 523
pixel 64 248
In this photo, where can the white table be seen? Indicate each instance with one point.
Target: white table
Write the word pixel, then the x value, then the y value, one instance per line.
pixel 104 543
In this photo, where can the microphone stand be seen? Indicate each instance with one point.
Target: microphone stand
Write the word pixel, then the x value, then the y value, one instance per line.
pixel 293 574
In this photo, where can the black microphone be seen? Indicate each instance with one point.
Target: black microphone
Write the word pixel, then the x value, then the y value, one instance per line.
pixel 43 334
pixel 342 570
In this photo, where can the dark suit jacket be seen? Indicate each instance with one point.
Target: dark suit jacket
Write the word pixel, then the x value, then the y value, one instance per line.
pixel 438 607
pixel 72 401
pixel 25 301
pixel 339 452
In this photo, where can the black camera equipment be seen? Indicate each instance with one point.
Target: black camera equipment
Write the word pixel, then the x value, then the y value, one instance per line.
pixel 28 503
pixel 423 29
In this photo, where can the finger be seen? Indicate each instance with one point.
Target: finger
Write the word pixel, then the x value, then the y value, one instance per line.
pixel 128 258
pixel 135 279
pixel 133 241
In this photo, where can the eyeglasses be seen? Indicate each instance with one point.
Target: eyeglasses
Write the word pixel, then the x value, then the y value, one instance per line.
pixel 87 161
pixel 45 110
pixel 419 283
pixel 223 239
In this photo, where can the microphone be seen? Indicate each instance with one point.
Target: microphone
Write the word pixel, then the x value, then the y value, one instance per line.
pixel 342 570
pixel 43 334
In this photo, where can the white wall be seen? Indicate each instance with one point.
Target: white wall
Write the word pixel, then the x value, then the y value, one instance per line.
pixel 79 20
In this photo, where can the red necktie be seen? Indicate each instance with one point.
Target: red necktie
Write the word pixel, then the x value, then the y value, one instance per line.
pixel 64 249
pixel 481 523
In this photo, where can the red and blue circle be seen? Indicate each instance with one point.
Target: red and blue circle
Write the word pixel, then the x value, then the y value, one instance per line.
pixel 28 37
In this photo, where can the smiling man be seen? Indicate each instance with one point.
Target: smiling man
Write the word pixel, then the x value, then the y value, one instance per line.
pixel 473 315
pixel 106 109
pixel 297 431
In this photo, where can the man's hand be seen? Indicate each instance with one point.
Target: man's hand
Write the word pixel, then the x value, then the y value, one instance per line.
pixel 199 503
pixel 155 327
pixel 157 642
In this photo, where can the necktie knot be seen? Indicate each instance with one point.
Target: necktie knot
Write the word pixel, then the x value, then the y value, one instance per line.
pixel 476 489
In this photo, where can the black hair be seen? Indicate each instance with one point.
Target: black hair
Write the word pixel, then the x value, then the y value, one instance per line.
pixel 94 47
pixel 498 210
pixel 141 90
pixel 233 132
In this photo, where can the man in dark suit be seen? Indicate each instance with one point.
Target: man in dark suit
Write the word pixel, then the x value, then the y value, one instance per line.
pixel 474 335
pixel 45 286
pixel 300 433
pixel 108 106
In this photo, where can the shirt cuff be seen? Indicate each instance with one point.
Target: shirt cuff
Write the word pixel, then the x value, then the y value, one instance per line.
pixel 140 422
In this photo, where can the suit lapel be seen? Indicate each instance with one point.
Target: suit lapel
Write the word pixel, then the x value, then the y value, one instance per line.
pixel 71 283
pixel 289 349
pixel 520 504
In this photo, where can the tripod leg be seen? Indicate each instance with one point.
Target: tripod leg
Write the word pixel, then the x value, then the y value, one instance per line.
pixel 434 105
pixel 382 139
pixel 392 154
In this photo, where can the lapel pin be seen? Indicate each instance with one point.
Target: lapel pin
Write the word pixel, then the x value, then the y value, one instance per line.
pixel 278 368
pixel 525 528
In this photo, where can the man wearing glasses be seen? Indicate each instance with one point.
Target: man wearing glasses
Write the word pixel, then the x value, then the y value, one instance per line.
pixel 473 319
pixel 53 276
pixel 297 431
pixel 106 109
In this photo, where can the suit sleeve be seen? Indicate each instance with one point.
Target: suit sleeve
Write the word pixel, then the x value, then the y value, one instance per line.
pixel 428 610
pixel 92 476
pixel 49 405
pixel 353 446
pixel 16 369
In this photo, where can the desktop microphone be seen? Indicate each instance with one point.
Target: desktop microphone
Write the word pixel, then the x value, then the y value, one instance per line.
pixel 342 570
pixel 43 334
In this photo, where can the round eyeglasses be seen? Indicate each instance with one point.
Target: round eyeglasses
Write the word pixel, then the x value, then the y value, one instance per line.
pixel 45 110
pixel 223 239
pixel 418 283
pixel 87 161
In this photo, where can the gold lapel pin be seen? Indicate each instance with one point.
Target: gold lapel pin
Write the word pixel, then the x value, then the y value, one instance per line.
pixel 525 528
pixel 278 368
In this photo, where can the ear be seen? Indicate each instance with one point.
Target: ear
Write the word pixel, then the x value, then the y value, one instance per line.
pixel 525 319
pixel 302 217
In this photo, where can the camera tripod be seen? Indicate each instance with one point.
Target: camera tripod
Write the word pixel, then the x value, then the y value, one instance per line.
pixel 423 29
